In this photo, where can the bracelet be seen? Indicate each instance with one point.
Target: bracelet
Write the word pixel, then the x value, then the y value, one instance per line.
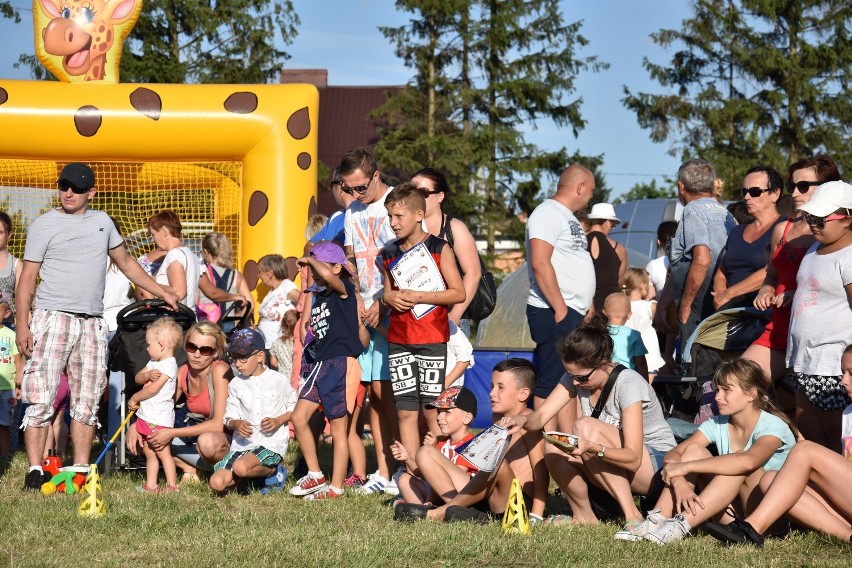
pixel 228 424
pixel 382 300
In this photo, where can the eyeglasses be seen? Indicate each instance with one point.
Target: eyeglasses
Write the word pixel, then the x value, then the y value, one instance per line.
pixel 244 358
pixel 65 186
pixel 819 222
pixel 427 192
pixel 802 186
pixel 359 189
pixel 753 191
pixel 582 378
pixel 205 350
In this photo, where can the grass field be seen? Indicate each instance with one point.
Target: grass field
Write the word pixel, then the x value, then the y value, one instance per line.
pixel 196 529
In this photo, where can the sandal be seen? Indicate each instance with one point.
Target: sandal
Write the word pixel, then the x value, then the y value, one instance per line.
pixel 557 520
pixel 411 511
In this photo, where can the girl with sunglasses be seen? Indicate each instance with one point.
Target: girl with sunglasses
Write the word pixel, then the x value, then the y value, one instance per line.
pixel 623 435
pixel 821 320
pixel 790 241
pixel 198 438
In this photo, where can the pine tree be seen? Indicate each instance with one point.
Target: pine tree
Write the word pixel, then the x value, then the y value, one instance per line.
pixel 754 81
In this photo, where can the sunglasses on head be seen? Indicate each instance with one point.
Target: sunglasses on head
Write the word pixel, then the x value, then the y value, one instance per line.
pixel 819 222
pixel 802 186
pixel 65 186
pixel 205 350
pixel 582 378
pixel 753 191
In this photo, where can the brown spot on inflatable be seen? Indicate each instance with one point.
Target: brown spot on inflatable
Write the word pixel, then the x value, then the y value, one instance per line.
pixel 299 123
pixel 241 103
pixel 4 96
pixel 147 102
pixel 312 208
pixel 87 120
pixel 304 160
pixel 251 273
pixel 292 266
pixel 109 36
pixel 102 28
pixel 258 206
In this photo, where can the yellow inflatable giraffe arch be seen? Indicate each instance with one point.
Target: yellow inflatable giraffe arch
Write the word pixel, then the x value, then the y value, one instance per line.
pixel 268 130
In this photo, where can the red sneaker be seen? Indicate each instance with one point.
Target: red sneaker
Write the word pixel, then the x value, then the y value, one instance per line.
pixel 308 485
pixel 327 493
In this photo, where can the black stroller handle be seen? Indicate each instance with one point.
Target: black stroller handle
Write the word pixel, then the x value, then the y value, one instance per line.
pixel 139 314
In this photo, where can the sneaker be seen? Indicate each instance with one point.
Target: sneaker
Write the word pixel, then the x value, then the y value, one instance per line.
pixel 354 481
pixel 671 530
pixel 456 513
pixel 410 511
pixel 392 488
pixel 737 532
pixel 308 485
pixel 375 483
pixel 327 493
pixel 34 480
pixel 634 531
pixel 275 482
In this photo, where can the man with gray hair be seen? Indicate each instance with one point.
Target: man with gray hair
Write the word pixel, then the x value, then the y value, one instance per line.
pixel 701 235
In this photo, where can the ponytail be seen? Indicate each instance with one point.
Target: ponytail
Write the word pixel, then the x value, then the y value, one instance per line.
pixel 588 346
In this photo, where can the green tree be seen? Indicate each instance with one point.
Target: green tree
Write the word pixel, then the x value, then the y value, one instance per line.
pixel 483 70
pixel 644 190
pixel 9 11
pixel 753 81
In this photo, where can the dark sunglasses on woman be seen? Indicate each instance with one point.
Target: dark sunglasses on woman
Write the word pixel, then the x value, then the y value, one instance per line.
pixel 802 186
pixel 205 350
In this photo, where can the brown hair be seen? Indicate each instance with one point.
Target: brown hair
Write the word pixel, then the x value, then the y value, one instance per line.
pixel 823 164
pixel 750 377
pixel 407 195
pixel 289 319
pixel 166 218
pixel 634 278
pixel 523 370
pixel 274 263
pixel 588 346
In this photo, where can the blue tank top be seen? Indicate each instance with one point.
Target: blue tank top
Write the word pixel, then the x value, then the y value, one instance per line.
pixel 742 259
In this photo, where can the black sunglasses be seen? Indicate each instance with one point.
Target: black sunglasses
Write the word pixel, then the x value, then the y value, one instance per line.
pixel 802 186
pixel 753 191
pixel 359 189
pixel 65 186
pixel 819 222
pixel 243 358
pixel 205 350
pixel 427 192
pixel 582 378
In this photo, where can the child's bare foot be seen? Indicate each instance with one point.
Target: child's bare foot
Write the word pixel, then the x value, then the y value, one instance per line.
pixel 190 478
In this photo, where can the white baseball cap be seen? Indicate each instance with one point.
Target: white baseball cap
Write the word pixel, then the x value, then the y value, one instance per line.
pixel 603 211
pixel 828 198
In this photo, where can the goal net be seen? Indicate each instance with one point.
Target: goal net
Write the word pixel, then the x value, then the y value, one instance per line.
pixel 206 195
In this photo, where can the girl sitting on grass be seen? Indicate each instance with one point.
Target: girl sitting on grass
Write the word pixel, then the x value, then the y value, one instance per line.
pixel 751 436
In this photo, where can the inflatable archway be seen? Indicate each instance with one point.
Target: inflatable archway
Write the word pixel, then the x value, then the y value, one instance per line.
pixel 247 153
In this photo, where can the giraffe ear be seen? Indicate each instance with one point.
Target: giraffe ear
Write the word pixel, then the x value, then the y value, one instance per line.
pixel 119 11
pixel 50 8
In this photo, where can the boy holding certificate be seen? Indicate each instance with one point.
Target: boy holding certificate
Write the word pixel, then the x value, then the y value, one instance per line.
pixel 421 280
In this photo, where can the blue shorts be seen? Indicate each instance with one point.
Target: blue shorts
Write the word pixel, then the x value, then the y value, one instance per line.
pixel 325 384
pixel 374 359
pixel 656 458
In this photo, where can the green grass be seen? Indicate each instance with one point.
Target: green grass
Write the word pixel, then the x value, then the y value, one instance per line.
pixel 196 529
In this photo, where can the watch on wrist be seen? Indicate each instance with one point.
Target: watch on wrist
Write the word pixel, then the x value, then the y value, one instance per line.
pixel 603 450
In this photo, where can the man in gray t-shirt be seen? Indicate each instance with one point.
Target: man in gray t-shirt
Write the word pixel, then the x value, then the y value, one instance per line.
pixel 68 248
pixel 701 235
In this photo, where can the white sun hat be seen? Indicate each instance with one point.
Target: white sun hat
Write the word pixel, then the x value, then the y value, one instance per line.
pixel 603 211
pixel 828 198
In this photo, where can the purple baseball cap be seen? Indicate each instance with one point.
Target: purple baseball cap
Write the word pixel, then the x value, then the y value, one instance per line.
pixel 330 251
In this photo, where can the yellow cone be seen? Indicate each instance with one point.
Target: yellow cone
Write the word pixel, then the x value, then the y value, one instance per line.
pixel 516 519
pixel 93 504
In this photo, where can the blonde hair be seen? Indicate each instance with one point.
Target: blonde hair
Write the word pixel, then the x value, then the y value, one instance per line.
pixel 634 278
pixel 749 375
pixel 315 223
pixel 166 330
pixel 219 248
pixel 208 329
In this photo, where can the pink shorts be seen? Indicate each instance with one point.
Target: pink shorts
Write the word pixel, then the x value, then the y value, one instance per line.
pixel 145 428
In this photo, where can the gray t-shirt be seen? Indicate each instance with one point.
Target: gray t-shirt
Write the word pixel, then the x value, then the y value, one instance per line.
pixel 629 389
pixel 705 222
pixel 72 250
pixel 554 223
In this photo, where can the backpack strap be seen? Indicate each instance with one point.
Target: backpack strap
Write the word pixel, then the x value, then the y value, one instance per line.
pixel 448 232
pixel 610 384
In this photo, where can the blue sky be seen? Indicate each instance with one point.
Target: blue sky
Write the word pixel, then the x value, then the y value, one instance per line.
pixel 343 37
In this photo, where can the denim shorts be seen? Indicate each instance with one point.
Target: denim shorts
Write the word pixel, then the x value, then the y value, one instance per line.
pixel 656 458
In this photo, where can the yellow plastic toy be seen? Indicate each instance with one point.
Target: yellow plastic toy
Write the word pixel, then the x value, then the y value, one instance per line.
pixel 93 504
pixel 516 518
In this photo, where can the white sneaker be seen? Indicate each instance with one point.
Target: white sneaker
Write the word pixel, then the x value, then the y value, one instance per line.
pixel 375 483
pixel 392 488
pixel 652 522
pixel 672 530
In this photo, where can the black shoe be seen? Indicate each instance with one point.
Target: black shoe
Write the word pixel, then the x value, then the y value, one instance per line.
pixel 34 480
pixel 737 532
pixel 410 511
pixel 456 513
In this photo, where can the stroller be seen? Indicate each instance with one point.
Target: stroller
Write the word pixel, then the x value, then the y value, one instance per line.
pixel 128 354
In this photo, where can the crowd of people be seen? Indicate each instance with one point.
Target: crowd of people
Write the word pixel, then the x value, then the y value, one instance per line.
pixel 379 319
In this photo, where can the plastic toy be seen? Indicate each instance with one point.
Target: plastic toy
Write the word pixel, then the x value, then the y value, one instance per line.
pixel 63 480
pixel 93 504
pixel 516 519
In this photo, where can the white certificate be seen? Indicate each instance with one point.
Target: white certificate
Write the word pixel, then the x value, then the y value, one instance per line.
pixel 416 270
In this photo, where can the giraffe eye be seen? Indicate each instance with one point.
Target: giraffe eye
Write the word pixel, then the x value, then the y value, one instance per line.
pixel 66 13
pixel 88 14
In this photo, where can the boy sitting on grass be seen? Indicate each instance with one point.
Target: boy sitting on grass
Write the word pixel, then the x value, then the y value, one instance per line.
pixel 512 384
pixel 260 402
pixel 439 469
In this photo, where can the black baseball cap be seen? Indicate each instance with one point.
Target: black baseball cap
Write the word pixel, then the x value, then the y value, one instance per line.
pixel 78 175
pixel 456 397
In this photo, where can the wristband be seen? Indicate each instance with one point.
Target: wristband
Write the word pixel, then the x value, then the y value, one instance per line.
pixel 382 300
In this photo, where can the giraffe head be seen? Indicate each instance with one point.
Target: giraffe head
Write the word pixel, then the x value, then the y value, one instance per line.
pixel 81 40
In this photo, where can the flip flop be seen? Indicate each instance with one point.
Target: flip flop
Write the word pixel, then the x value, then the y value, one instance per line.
pixel 411 511
pixel 557 520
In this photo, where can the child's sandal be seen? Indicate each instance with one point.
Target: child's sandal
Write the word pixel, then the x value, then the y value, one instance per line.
pixel 557 520
pixel 171 489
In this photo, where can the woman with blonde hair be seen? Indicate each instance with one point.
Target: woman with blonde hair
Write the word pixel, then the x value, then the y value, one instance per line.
pixel 221 281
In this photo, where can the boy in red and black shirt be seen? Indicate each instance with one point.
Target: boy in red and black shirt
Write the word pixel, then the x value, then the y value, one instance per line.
pixel 417 335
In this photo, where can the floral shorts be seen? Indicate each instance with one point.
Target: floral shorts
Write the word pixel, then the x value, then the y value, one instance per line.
pixel 824 391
